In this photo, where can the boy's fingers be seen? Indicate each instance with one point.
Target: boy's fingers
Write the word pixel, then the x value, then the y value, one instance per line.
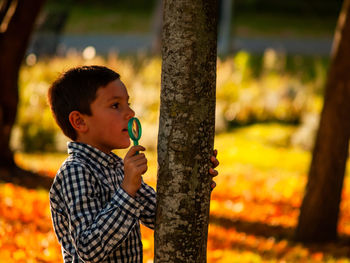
pixel 136 157
pixel 139 162
pixel 213 172
pixel 145 169
pixel 215 152
pixel 214 161
pixel 133 150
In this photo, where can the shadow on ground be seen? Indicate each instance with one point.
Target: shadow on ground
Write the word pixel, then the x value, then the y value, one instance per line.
pixel 24 178
pixel 337 249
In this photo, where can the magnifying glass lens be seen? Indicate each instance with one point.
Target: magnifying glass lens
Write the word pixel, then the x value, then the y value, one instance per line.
pixel 134 129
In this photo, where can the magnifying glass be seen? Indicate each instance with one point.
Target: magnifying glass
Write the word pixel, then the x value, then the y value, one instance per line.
pixel 134 130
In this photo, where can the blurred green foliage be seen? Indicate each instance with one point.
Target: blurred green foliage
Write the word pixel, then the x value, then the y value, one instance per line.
pixel 250 89
pixel 250 17
pixel 106 16
pixel 35 126
pixel 303 8
pixel 273 87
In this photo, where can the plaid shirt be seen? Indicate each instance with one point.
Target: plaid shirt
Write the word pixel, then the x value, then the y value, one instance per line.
pixel 94 219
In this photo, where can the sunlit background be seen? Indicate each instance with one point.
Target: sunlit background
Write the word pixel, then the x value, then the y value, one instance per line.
pixel 269 99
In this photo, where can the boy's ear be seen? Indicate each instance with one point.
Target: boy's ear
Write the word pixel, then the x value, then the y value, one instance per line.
pixel 77 121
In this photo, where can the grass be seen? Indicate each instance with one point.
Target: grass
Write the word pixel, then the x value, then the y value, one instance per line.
pixel 102 20
pixel 283 25
pixel 116 18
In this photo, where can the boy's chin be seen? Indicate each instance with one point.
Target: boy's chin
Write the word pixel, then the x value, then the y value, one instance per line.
pixel 124 146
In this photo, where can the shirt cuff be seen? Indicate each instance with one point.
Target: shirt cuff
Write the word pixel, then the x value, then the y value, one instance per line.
pixel 127 203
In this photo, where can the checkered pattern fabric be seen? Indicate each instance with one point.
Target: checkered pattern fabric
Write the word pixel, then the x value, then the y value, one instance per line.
pixel 94 219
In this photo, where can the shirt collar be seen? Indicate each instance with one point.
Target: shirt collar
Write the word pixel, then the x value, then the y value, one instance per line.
pixel 89 152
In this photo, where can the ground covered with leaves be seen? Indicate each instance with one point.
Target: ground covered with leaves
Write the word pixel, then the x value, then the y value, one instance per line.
pixel 254 207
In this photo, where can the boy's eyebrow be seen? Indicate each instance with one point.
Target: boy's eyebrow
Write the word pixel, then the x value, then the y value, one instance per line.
pixel 117 97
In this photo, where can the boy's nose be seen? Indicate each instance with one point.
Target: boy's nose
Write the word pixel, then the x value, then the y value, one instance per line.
pixel 131 113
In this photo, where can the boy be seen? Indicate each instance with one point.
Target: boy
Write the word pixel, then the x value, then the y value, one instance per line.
pixel 97 199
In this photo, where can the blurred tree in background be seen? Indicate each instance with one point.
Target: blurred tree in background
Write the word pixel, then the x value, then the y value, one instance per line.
pixel 320 208
pixel 17 20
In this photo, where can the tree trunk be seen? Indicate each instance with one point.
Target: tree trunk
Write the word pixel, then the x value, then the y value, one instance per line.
pixel 320 208
pixel 186 130
pixel 15 30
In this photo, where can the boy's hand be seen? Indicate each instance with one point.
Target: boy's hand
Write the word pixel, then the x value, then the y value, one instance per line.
pixel 212 171
pixel 135 165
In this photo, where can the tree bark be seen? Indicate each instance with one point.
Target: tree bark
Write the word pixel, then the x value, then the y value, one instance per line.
pixel 16 27
pixel 186 130
pixel 320 208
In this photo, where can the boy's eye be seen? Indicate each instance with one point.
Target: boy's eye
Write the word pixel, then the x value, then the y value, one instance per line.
pixel 115 105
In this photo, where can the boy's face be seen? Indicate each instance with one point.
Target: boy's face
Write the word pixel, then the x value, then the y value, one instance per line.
pixel 108 124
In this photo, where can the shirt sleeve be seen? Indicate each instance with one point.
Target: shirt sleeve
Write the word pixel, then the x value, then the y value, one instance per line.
pixel 146 196
pixel 96 230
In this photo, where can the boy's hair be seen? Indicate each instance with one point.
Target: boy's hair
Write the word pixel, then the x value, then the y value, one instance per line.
pixel 76 90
